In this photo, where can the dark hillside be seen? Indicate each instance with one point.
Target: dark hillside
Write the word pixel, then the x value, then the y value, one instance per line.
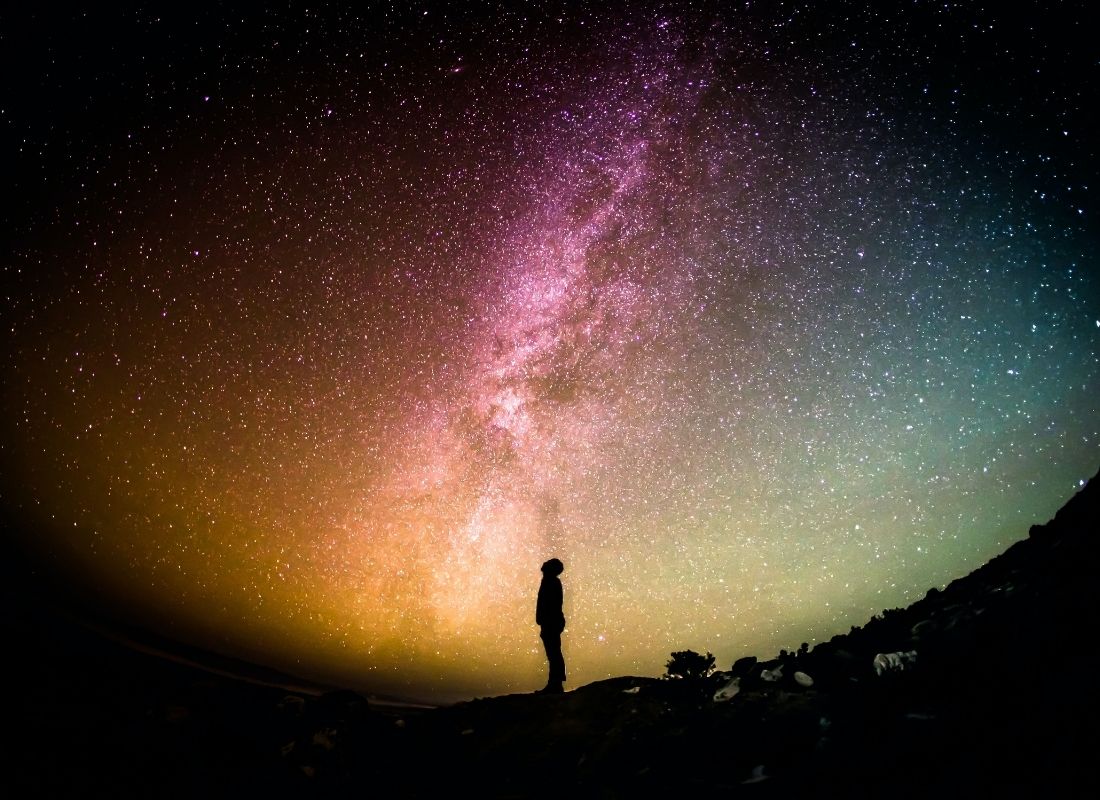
pixel 996 693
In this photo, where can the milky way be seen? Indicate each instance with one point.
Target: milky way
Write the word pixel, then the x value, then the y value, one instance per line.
pixel 325 331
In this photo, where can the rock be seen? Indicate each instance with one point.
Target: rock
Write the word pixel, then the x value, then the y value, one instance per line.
pixel 174 714
pixel 803 680
pixel 921 716
pixel 772 675
pixel 757 775
pixel 293 704
pixel 742 666
pixel 894 662
pixel 922 629
pixel 325 738
pixel 728 691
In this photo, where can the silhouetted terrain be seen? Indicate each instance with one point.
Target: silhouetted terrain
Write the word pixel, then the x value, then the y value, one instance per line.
pixel 1001 699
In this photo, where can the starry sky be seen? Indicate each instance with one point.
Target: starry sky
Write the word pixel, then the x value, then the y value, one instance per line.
pixel 325 327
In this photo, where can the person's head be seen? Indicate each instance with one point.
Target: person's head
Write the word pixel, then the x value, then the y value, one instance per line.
pixel 553 568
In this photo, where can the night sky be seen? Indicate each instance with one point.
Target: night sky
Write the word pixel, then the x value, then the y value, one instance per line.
pixel 324 328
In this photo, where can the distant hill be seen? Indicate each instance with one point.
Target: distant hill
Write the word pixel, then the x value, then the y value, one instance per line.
pixel 991 692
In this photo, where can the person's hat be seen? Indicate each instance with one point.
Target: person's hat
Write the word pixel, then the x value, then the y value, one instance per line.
pixel 553 567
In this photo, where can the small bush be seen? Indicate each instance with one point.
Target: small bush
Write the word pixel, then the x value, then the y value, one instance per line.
pixel 689 665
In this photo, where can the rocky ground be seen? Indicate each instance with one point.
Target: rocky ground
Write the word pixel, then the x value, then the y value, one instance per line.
pixel 1000 699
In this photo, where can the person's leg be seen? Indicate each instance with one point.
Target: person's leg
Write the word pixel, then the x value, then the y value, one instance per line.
pixel 557 663
pixel 551 641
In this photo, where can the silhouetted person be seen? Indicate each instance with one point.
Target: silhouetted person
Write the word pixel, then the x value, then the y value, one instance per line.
pixel 549 616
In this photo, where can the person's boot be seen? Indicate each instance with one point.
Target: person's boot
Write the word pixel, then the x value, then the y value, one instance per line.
pixel 553 687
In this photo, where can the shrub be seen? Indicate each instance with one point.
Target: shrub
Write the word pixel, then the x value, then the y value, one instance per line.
pixel 689 665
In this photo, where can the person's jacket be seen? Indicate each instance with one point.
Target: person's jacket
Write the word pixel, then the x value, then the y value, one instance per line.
pixel 548 612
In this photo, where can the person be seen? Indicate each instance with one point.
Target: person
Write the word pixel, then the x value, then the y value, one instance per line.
pixel 551 621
